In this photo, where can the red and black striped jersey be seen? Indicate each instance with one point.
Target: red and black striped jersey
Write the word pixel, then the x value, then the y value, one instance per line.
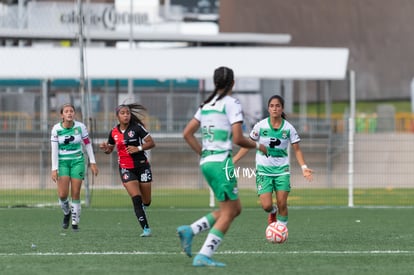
pixel 134 135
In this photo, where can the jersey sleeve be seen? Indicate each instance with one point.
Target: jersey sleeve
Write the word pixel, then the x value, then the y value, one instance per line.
pixel 84 134
pixel 54 155
pixel 198 114
pixel 255 132
pixel 111 140
pixel 234 110
pixel 54 148
pixel 294 136
pixel 143 133
pixel 54 135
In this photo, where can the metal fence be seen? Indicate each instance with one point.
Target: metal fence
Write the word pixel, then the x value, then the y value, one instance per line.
pixel 382 160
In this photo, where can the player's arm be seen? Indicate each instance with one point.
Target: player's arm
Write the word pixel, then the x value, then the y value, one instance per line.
pixel 55 160
pixel 146 145
pixel 307 172
pixel 241 140
pixel 189 135
pixel 240 154
pixel 108 146
pixel 149 143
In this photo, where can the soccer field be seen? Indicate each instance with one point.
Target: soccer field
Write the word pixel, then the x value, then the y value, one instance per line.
pixel 322 240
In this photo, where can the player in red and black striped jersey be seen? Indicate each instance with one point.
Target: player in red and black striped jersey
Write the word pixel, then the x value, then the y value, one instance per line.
pixel 132 140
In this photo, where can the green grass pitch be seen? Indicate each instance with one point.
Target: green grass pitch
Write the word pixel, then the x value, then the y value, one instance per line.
pixel 322 240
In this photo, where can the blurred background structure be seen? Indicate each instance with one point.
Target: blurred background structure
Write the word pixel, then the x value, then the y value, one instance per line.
pixel 374 35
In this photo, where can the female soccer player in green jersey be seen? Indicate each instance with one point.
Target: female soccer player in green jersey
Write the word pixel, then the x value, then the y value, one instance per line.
pixel 68 163
pixel 220 118
pixel 273 169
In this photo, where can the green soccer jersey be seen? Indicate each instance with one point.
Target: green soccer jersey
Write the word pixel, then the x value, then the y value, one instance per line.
pixel 69 140
pixel 216 119
pixel 277 143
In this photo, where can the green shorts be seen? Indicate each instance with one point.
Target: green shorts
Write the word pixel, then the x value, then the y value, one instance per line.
pixel 72 168
pixel 221 178
pixel 268 184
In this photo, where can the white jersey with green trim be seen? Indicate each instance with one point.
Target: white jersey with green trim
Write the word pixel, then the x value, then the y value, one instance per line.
pixel 216 119
pixel 69 140
pixel 277 143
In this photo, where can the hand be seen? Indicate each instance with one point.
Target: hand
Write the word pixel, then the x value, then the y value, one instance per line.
pixel 105 147
pixel 94 169
pixel 308 174
pixel 132 149
pixel 263 149
pixel 55 175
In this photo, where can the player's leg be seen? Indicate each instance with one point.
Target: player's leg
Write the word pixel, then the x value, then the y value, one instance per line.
pixel 146 189
pixel 225 189
pixel 265 187
pixel 134 192
pixel 63 192
pixel 187 232
pixel 282 193
pixel 76 207
pixel 144 176
pixel 77 174
pixel 132 186
pixel 229 210
pixel 63 195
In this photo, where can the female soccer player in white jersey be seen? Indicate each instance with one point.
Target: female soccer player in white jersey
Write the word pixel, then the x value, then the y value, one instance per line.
pixel 220 118
pixel 68 163
pixel 273 170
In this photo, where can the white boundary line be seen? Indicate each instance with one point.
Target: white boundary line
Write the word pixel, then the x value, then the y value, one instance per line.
pixel 209 209
pixel 316 252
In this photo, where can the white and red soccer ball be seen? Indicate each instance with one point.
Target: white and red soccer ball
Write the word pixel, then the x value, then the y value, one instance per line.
pixel 276 232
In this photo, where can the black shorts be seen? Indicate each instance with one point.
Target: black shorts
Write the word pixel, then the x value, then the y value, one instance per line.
pixel 141 174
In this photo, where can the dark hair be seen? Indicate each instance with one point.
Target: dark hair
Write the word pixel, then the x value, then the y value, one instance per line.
pixel 223 80
pixel 66 105
pixel 282 102
pixel 137 111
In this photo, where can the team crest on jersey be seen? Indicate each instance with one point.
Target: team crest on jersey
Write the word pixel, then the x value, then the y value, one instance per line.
pixel 125 176
pixel 284 134
pixel 131 133
pixel 255 134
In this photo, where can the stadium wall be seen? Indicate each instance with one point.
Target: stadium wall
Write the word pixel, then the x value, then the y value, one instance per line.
pixel 378 33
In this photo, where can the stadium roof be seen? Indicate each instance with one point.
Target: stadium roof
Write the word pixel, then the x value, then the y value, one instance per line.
pixel 199 62
pixel 110 36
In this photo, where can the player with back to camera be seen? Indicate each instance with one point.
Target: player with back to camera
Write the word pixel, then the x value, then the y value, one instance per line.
pixel 220 118
pixel 273 169
pixel 68 163
pixel 131 140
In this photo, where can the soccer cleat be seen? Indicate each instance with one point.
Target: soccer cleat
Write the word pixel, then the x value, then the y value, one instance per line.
pixel 146 232
pixel 66 219
pixel 202 260
pixel 185 233
pixel 75 228
pixel 271 218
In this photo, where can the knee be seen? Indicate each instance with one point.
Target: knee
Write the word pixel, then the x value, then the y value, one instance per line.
pixel 237 212
pixel 281 205
pixel 267 207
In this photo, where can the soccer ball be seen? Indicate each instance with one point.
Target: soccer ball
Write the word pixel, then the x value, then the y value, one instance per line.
pixel 276 232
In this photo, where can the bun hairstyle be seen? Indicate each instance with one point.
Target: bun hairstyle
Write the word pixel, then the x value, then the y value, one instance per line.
pixel 223 80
